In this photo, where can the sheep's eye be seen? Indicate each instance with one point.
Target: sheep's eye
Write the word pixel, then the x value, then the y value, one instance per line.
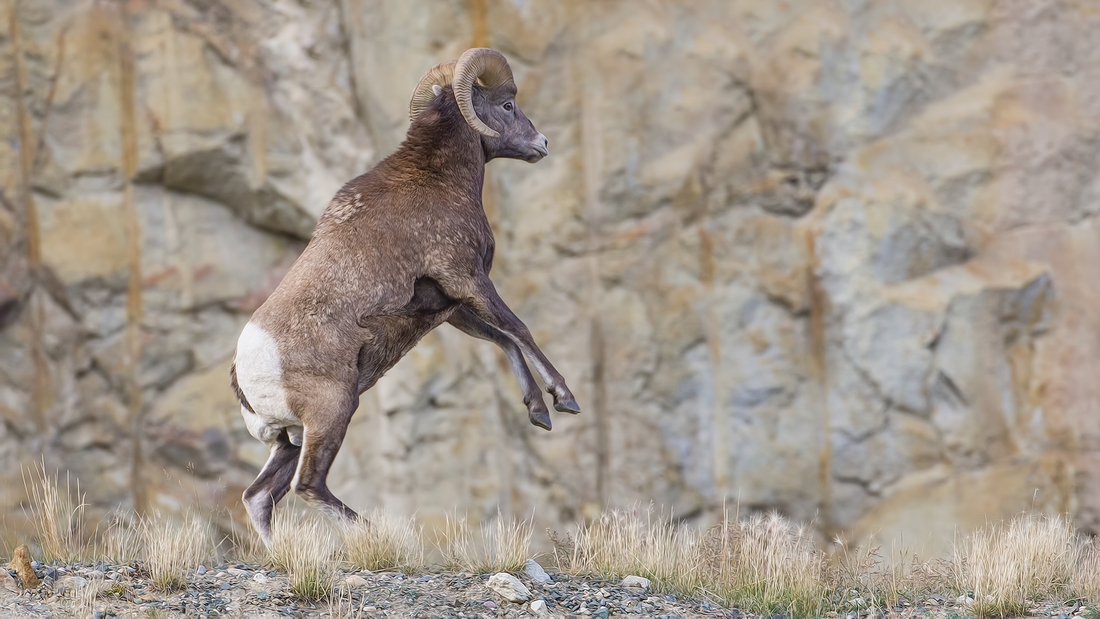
pixel 508 106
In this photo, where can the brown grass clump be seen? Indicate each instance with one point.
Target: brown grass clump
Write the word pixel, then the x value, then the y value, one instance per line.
pixel 501 545
pixel 304 546
pixel 384 541
pixel 57 514
pixel 171 548
pixel 1007 567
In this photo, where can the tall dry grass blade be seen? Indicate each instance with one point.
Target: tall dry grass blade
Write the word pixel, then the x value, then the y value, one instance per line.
pixel 1007 567
pixel 345 607
pixel 304 546
pixel 57 514
pixel 384 541
pixel 171 548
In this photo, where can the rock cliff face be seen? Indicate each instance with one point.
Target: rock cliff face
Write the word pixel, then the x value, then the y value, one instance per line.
pixel 829 257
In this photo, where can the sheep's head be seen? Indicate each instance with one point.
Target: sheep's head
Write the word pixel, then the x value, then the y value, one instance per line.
pixel 486 95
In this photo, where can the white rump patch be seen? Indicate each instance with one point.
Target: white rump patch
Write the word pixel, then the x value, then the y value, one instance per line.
pixel 260 377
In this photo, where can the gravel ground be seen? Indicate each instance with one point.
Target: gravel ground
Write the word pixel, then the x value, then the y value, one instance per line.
pixel 246 591
pixel 240 590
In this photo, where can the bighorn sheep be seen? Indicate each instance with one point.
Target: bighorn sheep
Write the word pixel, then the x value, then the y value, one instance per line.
pixel 398 251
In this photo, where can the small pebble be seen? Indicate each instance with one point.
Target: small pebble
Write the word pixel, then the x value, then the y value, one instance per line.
pixel 201 570
pixel 490 605
pixel 225 586
pixel 262 595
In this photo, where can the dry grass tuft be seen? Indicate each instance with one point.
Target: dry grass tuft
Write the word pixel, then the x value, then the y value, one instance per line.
pixel 343 605
pixel 1086 581
pixel 765 564
pixel 619 544
pixel 172 548
pixel 384 541
pixel 121 543
pixel 1006 567
pixel 498 546
pixel 861 579
pixel 305 547
pixel 82 601
pixel 761 565
pixel 57 514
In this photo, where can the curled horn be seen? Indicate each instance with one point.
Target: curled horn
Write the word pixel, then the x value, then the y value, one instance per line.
pixel 439 75
pixel 484 65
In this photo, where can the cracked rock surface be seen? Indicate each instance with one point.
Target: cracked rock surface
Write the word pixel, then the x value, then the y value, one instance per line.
pixel 834 259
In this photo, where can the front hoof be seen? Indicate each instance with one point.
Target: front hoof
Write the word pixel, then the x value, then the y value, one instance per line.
pixel 540 419
pixel 567 406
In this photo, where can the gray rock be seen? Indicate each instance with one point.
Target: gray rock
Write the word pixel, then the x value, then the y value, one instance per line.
pixel 538 607
pixel 355 581
pixel 66 584
pixel 636 581
pixel 535 571
pixel 509 587
pixel 7 582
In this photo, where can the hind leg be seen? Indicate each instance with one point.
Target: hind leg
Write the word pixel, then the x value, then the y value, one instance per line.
pixel 271 485
pixel 321 440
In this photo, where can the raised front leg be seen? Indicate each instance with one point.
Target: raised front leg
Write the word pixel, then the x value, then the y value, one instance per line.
pixel 465 320
pixel 487 304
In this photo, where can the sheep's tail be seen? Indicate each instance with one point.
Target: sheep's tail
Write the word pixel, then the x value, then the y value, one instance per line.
pixel 237 387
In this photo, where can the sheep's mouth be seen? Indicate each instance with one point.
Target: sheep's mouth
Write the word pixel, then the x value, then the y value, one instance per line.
pixel 538 151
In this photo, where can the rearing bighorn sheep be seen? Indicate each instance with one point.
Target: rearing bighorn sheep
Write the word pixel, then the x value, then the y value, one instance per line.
pixel 399 250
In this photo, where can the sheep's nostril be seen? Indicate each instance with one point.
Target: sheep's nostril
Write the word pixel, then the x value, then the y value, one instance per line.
pixel 541 145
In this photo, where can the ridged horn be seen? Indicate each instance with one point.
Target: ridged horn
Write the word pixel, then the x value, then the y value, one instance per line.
pixel 439 75
pixel 484 65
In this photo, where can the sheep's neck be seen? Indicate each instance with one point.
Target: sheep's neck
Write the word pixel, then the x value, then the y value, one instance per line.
pixel 450 154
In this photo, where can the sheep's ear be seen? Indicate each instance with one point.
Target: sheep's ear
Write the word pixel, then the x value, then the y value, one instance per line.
pixel 436 88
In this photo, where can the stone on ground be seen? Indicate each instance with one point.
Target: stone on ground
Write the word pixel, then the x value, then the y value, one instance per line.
pixel 509 587
pixel 21 563
pixel 636 581
pixel 535 571
pixel 7 583
pixel 66 584
pixel 355 581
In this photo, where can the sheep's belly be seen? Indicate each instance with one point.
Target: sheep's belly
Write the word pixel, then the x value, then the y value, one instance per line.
pixel 260 377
